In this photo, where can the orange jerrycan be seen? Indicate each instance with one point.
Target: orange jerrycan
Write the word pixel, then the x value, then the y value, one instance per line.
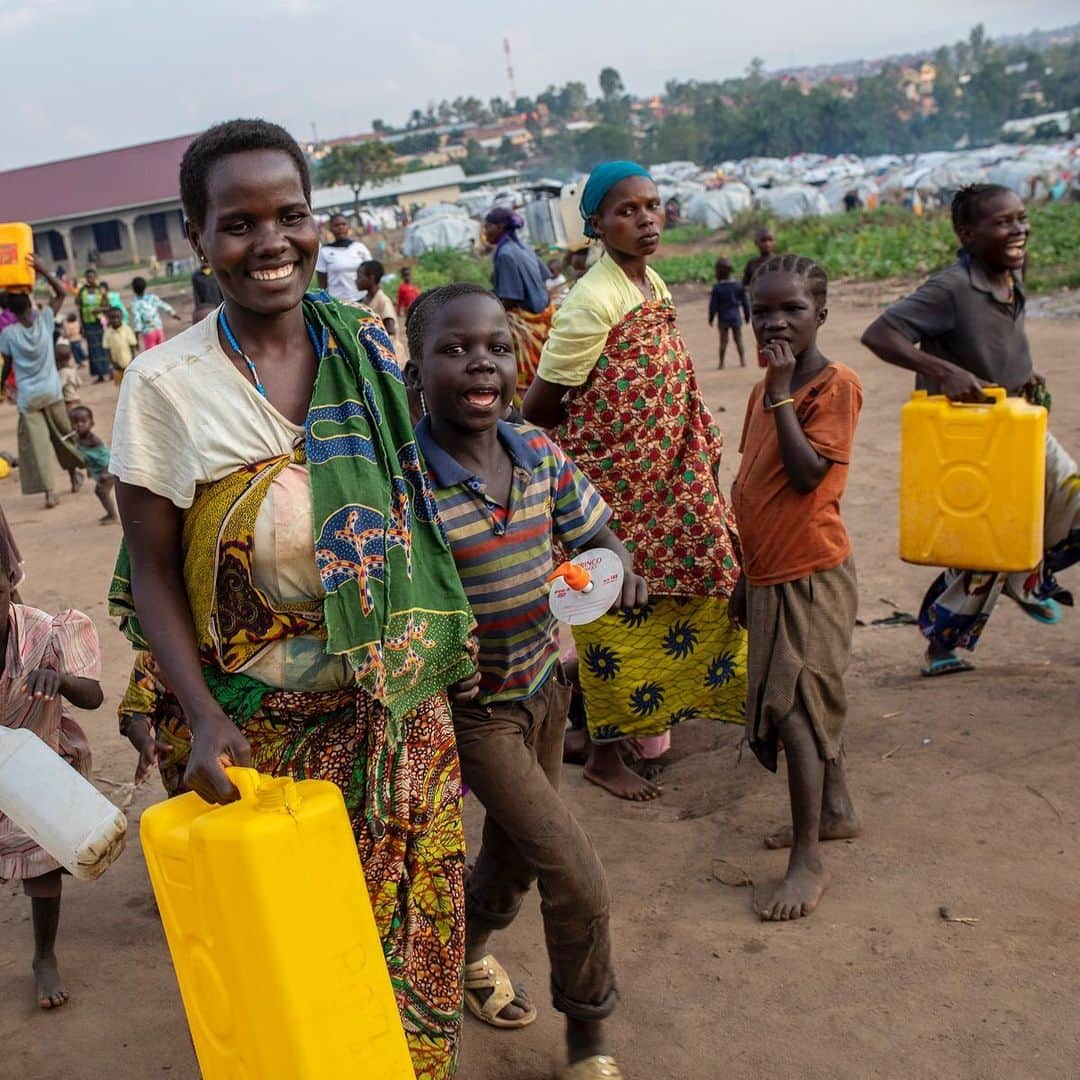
pixel 16 242
pixel 272 935
pixel 971 482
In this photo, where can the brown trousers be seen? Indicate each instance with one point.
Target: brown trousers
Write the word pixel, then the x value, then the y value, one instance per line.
pixel 511 757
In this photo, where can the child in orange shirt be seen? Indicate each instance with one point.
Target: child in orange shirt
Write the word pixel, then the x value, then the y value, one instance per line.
pixel 798 595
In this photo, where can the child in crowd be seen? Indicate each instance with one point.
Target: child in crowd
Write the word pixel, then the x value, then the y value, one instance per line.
pixel 798 595
pixel 960 331
pixel 69 373
pixel 557 285
pixel 579 264
pixel 766 242
pixel 46 660
pixel 504 494
pixel 95 453
pixel 369 276
pixel 146 311
pixel 407 292
pixel 120 343
pixel 72 333
pixel 728 304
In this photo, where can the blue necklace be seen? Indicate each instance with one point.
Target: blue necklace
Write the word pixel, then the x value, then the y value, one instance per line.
pixel 230 337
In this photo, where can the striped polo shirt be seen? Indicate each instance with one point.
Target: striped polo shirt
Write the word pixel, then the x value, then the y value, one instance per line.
pixel 504 554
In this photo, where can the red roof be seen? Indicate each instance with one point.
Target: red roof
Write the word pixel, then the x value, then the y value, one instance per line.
pixel 113 180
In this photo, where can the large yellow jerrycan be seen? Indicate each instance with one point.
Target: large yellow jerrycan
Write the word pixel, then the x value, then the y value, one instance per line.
pixel 16 242
pixel 971 482
pixel 272 935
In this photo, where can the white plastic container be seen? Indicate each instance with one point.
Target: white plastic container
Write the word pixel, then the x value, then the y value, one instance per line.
pixel 56 807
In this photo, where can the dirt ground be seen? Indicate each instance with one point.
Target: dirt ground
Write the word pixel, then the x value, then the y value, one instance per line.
pixel 967 787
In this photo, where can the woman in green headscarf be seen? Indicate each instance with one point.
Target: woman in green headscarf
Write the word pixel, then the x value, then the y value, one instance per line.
pixel 287 569
pixel 616 381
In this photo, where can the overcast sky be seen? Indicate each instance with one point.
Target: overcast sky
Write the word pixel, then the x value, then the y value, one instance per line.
pixel 84 76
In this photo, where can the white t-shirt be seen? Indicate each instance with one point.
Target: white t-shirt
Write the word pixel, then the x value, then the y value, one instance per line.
pixel 186 416
pixel 340 264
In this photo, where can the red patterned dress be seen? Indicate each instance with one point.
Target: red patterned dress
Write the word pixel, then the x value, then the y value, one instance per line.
pixel 640 430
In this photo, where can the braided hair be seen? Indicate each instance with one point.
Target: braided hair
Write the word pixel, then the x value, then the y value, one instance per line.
pixel 817 281
pixel 968 200
pixel 427 303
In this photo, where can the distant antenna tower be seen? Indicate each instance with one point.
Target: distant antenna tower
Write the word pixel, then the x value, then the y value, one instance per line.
pixel 510 72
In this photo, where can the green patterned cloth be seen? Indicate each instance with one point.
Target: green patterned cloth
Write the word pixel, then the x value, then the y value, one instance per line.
pixel 394 606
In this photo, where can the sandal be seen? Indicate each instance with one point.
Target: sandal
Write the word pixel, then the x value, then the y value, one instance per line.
pixel 488 974
pixel 601 1067
pixel 946 665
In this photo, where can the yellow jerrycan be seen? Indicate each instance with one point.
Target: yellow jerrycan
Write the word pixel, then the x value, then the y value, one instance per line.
pixel 16 242
pixel 971 482
pixel 272 935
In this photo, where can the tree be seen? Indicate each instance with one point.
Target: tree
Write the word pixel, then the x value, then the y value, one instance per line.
pixel 356 166
pixel 477 159
pixel 604 142
pixel 380 127
pixel 572 100
pixel 611 84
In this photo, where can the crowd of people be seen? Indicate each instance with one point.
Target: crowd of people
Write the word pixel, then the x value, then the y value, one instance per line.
pixel 370 605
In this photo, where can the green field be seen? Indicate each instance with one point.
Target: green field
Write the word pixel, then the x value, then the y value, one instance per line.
pixel 868 246
pixel 883 243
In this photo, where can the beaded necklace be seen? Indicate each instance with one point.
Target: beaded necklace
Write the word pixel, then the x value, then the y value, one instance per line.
pixel 230 337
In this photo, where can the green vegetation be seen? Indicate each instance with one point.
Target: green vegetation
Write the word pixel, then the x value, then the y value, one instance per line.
pixel 884 243
pixel 955 95
pixel 444 267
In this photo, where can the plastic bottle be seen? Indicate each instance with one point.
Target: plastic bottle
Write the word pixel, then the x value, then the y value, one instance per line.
pixel 272 934
pixel 57 807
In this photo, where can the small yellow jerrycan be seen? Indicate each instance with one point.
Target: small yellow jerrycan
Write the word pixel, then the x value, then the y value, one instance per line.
pixel 971 482
pixel 272 935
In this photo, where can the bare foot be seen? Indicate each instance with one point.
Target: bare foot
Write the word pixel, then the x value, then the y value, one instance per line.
pixel 606 769
pixel 50 993
pixel 575 746
pixel 798 894
pixel 77 479
pixel 845 827
pixel 52 500
pixel 108 519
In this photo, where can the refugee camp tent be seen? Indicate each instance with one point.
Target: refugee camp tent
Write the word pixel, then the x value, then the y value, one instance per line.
pixel 454 232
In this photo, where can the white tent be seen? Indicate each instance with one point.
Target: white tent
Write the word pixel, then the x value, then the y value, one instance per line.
pixel 718 207
pixel 794 201
pixel 454 232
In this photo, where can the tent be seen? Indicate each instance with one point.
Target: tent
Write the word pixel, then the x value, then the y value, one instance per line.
pixel 718 207
pixel 794 201
pixel 454 232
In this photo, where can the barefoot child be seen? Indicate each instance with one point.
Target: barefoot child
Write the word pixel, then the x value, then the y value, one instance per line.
pixel 504 494
pixel 968 324
pixel 46 659
pixel 798 595
pixel 95 453
pixel 728 305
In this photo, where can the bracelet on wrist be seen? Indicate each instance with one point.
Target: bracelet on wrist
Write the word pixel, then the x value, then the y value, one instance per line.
pixel 772 406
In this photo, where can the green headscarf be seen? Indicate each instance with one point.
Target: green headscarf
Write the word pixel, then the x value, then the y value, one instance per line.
pixel 601 180
pixel 394 606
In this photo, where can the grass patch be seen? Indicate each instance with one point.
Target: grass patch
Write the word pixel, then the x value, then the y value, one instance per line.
pixel 885 243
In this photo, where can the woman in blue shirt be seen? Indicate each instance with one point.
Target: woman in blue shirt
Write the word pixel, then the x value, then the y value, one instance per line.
pixel 520 283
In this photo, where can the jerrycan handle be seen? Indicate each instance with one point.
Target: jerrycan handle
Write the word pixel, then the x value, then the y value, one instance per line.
pixel 997 393
pixel 246 781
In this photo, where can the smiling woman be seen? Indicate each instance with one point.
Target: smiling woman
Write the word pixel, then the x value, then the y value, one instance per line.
pixel 311 652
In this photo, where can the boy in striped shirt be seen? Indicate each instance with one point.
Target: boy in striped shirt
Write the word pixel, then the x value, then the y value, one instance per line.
pixel 505 492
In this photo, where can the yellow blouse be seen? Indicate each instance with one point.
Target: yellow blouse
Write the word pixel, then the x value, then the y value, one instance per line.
pixel 593 308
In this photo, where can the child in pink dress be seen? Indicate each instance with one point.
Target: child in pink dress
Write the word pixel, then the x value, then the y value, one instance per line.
pixel 46 659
